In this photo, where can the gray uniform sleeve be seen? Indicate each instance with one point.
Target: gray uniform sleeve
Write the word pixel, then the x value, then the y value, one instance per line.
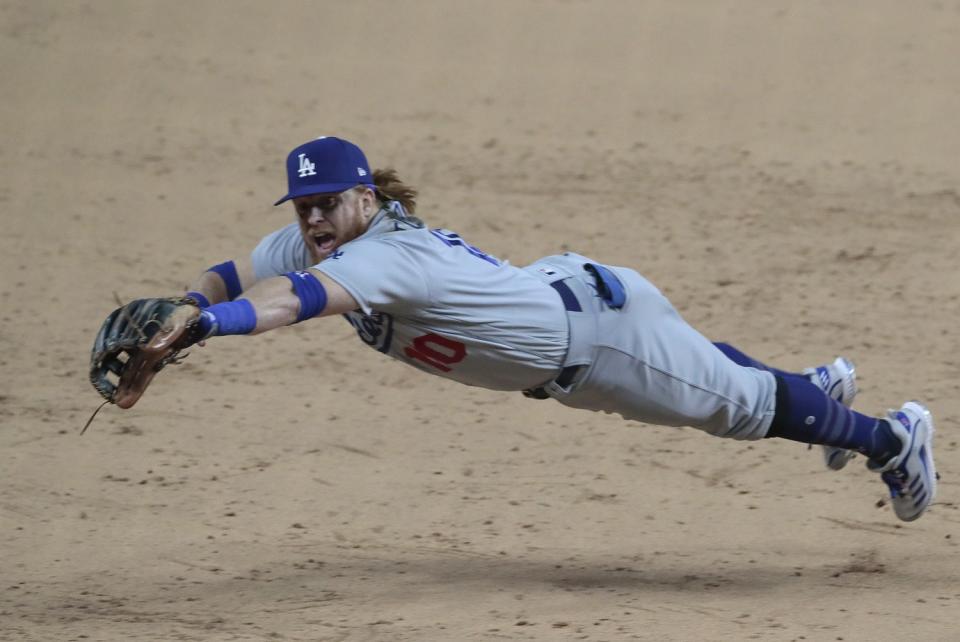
pixel 280 252
pixel 381 274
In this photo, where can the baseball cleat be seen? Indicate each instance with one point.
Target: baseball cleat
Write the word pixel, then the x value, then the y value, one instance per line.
pixel 911 475
pixel 839 381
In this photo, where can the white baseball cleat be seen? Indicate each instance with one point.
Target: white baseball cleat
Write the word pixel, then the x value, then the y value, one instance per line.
pixel 839 381
pixel 911 475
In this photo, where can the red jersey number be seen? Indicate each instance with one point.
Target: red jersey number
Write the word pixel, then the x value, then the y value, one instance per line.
pixel 434 350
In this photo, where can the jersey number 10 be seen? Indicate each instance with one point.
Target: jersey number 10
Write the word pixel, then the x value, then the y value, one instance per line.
pixel 436 351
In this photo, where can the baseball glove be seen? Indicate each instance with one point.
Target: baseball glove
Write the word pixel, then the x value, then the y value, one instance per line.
pixel 136 341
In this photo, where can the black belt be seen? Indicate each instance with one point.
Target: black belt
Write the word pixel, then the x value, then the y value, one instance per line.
pixel 567 375
pixel 563 380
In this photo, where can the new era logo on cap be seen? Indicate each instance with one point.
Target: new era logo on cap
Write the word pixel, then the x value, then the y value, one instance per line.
pixel 325 165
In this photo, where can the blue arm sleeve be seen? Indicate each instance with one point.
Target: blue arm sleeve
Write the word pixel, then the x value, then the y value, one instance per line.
pixel 228 272
pixel 312 294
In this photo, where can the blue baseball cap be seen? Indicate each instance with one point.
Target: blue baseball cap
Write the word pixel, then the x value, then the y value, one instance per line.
pixel 327 164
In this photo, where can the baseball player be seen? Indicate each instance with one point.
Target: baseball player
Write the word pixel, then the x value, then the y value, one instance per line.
pixel 566 327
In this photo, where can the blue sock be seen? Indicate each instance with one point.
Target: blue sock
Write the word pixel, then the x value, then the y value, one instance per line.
pixel 742 359
pixel 805 413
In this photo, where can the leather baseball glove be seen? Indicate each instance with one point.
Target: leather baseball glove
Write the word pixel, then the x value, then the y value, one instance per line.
pixel 136 341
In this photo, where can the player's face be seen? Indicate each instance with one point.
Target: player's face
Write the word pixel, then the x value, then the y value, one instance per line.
pixel 327 221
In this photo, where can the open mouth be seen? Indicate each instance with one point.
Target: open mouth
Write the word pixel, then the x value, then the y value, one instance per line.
pixel 324 242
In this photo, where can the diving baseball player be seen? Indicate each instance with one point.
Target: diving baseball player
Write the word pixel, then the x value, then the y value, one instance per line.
pixel 566 327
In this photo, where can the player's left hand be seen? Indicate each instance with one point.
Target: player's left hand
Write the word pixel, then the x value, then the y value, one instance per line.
pixel 136 341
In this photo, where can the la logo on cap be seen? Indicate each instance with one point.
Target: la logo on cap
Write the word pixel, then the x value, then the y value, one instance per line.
pixel 327 165
pixel 307 168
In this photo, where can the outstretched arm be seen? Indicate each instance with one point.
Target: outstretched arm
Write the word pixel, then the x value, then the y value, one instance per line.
pixel 269 304
pixel 277 303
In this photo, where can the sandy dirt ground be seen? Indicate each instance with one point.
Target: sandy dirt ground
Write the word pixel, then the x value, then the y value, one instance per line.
pixel 786 172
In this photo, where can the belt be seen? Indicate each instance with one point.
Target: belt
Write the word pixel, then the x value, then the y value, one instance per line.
pixel 570 301
pixel 566 377
pixel 568 374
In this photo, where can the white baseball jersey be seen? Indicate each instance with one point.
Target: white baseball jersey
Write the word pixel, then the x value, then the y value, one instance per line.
pixel 430 299
pixel 435 302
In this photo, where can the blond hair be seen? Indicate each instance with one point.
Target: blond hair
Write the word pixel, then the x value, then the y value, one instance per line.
pixel 388 187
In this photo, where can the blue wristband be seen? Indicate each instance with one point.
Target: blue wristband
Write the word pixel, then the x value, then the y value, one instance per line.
pixel 199 298
pixel 312 294
pixel 233 317
pixel 228 272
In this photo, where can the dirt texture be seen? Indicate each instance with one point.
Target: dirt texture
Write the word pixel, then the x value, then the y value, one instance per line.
pixel 786 172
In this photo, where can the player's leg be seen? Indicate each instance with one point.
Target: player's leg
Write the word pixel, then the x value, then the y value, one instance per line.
pixel 814 408
pixel 651 366
pixel 804 413
pixel 742 359
pixel 837 379
pixel 898 446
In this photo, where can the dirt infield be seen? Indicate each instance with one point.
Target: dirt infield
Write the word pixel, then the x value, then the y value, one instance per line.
pixel 786 172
